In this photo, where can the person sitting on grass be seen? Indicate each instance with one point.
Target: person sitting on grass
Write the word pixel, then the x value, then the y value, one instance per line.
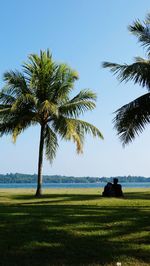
pixel 108 190
pixel 117 188
pixel 113 190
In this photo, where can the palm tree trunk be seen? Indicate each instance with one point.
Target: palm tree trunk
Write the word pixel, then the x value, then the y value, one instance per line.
pixel 40 163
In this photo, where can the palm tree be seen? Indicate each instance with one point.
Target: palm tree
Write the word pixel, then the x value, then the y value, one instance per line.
pixel 131 119
pixel 40 94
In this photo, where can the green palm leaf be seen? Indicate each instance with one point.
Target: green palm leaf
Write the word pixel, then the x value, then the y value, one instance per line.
pixel 27 101
pixel 142 31
pixel 49 108
pixel 51 144
pixel 84 101
pixel 75 129
pixel 6 98
pixel 16 83
pixel 139 71
pixel 132 118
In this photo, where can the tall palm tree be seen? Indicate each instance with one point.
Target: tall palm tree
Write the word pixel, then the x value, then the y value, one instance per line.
pixel 40 94
pixel 131 119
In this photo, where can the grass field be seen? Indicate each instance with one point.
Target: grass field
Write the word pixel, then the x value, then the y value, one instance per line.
pixel 74 227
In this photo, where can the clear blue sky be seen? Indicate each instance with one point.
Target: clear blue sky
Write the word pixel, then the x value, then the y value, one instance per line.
pixel 81 33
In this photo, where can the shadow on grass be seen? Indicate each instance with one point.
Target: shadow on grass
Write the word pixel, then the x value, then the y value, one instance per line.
pixel 71 234
pixel 52 198
pixel 56 198
pixel 138 195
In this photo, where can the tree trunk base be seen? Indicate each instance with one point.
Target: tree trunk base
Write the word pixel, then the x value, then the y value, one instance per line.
pixel 38 193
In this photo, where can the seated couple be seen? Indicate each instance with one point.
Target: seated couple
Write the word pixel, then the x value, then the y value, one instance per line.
pixel 113 190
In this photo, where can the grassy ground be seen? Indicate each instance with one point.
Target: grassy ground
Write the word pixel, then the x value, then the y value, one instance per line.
pixel 74 227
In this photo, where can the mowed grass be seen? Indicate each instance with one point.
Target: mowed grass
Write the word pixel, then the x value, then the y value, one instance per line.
pixel 74 227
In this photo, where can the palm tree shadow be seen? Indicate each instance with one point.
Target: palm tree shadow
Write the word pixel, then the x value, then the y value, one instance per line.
pixel 51 198
pixel 138 195
pixel 69 234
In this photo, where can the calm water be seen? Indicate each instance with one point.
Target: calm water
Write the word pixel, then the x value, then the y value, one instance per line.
pixel 73 185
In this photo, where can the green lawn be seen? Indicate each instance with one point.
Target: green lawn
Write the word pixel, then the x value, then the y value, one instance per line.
pixel 74 227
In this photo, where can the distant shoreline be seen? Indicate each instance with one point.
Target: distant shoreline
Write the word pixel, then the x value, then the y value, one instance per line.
pixel 18 178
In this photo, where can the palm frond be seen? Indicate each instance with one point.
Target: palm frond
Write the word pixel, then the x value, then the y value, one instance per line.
pixel 39 72
pixel 16 83
pixel 22 124
pixel 38 67
pixel 49 108
pixel 4 109
pixel 138 72
pixel 64 78
pixel 74 109
pixel 75 129
pixel 20 127
pixel 16 122
pixel 82 102
pixel 88 128
pixel 142 32
pixel 84 95
pixel 25 101
pixel 67 129
pixel 51 144
pixel 114 68
pixel 6 98
pixel 132 118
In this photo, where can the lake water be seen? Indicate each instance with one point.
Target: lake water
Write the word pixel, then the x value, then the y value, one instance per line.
pixel 72 185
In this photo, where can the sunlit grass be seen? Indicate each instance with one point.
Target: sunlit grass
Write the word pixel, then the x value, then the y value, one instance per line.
pixel 74 227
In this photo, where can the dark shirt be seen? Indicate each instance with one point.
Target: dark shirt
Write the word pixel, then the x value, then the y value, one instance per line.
pixel 108 191
pixel 118 190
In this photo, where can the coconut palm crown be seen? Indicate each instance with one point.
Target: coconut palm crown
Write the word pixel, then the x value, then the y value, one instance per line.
pixel 131 119
pixel 40 94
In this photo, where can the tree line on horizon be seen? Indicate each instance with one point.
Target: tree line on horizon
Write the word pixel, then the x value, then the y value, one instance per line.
pixel 41 95
pixel 29 178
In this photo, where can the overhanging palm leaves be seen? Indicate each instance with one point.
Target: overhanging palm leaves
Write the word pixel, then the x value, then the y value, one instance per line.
pixel 138 72
pixel 132 118
pixel 41 95
pixel 142 31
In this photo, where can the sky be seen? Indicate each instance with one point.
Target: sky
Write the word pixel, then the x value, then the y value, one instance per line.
pixel 83 34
